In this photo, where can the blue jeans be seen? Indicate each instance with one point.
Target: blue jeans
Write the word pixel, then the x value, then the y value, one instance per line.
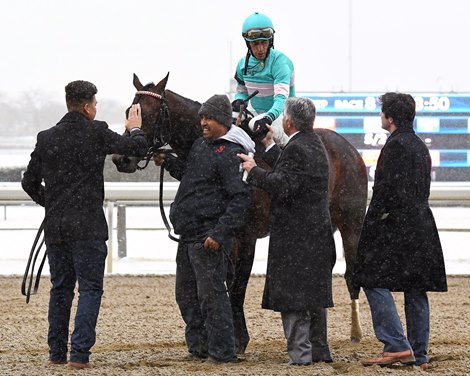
pixel 69 262
pixel 387 325
pixel 203 301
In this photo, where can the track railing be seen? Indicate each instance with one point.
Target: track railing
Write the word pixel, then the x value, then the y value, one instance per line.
pixel 119 195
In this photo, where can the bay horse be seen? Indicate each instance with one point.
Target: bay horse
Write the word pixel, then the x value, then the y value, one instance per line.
pixel 171 119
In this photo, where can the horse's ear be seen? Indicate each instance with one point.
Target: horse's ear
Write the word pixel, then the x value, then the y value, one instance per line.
pixel 137 83
pixel 162 84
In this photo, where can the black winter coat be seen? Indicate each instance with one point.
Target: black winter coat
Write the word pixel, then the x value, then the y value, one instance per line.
pixel 69 158
pixel 301 246
pixel 212 200
pixel 399 248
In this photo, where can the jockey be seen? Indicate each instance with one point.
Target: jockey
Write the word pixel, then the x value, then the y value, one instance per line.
pixel 267 70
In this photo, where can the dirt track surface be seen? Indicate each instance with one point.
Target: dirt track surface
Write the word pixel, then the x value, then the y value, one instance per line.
pixel 140 332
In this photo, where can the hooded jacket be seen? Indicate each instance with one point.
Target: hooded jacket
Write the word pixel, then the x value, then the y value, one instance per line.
pixel 212 200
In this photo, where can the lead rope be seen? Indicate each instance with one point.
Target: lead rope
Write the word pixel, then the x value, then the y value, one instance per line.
pixel 162 209
pixel 34 253
pixel 225 253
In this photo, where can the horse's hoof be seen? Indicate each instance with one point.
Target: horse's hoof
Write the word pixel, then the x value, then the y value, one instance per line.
pixel 356 339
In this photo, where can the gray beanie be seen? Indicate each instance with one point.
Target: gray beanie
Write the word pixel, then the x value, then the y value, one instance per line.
pixel 218 107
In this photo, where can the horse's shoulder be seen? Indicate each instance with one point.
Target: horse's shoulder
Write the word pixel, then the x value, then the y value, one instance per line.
pixel 323 131
pixel 99 124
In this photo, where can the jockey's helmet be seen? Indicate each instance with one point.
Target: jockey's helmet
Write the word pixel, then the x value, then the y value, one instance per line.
pixel 257 27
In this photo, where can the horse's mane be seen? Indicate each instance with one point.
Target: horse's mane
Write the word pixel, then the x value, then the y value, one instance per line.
pixel 151 85
pixel 148 86
pixel 195 103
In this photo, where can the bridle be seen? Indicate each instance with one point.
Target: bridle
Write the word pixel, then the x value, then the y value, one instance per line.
pixel 161 126
pixel 159 141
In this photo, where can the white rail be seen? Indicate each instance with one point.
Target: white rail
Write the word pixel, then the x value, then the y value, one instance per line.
pixel 442 193
pixel 12 193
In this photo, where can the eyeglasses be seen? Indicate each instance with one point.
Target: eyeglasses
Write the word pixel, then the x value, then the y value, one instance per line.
pixel 259 33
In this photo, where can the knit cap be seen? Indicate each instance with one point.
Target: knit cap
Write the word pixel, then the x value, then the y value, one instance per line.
pixel 218 107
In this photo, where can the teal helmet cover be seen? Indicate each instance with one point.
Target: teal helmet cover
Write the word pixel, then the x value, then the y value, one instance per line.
pixel 259 22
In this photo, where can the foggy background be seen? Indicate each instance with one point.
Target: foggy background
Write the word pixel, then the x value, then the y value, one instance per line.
pixel 336 45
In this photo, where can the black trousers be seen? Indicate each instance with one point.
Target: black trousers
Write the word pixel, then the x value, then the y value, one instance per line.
pixel 203 300
pixel 306 335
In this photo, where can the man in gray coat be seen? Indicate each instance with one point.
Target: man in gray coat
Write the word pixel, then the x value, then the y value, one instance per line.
pixel 301 247
pixel 399 248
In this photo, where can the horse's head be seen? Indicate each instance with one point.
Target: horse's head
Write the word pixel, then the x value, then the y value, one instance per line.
pixel 167 119
pixel 155 121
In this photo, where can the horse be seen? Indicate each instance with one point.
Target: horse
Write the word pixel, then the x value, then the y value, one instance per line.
pixel 169 119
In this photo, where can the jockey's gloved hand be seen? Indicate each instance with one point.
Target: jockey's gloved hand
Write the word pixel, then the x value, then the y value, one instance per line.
pixel 236 105
pixel 260 130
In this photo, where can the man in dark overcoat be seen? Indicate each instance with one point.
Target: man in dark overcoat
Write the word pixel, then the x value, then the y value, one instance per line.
pixel 399 248
pixel 301 247
pixel 65 175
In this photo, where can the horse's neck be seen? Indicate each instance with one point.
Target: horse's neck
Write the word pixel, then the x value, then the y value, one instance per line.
pixel 183 110
pixel 184 121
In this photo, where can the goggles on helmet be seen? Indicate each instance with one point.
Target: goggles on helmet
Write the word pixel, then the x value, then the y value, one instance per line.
pixel 255 34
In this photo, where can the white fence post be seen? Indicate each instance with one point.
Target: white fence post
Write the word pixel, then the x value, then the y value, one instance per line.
pixel 110 210
pixel 121 231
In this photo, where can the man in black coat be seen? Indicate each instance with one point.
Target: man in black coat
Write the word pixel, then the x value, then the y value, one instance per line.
pixel 69 159
pixel 301 246
pixel 209 208
pixel 399 248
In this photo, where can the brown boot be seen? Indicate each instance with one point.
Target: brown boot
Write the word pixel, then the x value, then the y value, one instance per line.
pixel 78 365
pixel 389 358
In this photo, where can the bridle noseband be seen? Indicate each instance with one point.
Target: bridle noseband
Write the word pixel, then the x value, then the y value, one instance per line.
pixel 161 127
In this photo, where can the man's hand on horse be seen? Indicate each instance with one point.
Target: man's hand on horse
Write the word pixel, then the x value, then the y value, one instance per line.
pixel 211 244
pixel 248 161
pixel 134 119
pixel 159 158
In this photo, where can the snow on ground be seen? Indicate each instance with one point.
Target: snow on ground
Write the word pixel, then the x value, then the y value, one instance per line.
pixel 150 251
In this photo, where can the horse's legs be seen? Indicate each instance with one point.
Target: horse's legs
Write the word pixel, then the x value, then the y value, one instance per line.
pixel 350 236
pixel 238 284
pixel 350 241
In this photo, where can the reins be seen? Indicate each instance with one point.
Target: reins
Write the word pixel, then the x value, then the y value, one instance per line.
pixel 34 253
pixel 160 140
pixel 162 209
